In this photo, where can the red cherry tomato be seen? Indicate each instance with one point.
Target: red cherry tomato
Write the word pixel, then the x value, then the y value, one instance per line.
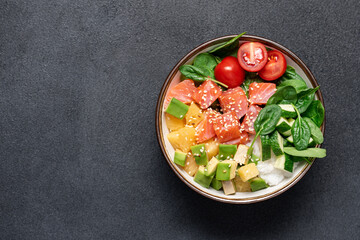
pixel 275 67
pixel 229 72
pixel 252 56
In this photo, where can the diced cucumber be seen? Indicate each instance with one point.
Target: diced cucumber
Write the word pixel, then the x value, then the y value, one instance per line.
pixel 201 178
pixel 180 158
pixel 265 147
pixel 277 143
pixel 199 154
pixel 290 139
pixel 284 162
pixel 288 132
pixel 287 111
pixel 227 151
pixel 177 108
pixel 211 166
pixel 216 184
pixel 257 184
pixel 284 127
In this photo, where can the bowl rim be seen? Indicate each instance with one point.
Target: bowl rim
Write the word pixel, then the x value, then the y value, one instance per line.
pixel 187 57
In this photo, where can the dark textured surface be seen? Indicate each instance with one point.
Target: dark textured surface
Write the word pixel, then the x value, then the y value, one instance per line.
pixel 78 86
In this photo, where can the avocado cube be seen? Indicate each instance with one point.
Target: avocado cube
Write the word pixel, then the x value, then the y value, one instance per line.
pixel 227 151
pixel 226 170
pixel 202 179
pixel 228 187
pixel 199 153
pixel 233 166
pixel 257 184
pixel 180 158
pixel 216 184
pixel 223 171
pixel 177 108
pixel 211 166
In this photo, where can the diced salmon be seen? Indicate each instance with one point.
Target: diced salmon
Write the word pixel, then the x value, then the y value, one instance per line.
pixel 250 117
pixel 205 130
pixel 259 93
pixel 227 127
pixel 243 139
pixel 183 92
pixel 234 100
pixel 206 94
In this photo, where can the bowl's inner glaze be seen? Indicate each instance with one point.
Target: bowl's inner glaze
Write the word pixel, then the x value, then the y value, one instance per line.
pixel 239 197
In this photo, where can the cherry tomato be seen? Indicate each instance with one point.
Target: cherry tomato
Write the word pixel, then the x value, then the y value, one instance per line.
pixel 252 56
pixel 275 67
pixel 229 72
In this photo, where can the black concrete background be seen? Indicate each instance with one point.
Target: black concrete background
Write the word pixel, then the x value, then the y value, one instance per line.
pixel 79 82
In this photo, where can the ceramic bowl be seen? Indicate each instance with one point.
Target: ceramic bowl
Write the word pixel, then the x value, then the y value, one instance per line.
pixel 168 151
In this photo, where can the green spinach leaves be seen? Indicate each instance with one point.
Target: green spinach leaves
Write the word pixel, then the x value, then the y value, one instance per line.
pixel 315 112
pixel 305 98
pixel 300 132
pixel 284 95
pixel 267 119
pixel 202 69
pixel 224 49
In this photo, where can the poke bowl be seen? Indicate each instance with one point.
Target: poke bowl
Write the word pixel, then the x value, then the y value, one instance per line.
pixel 242 176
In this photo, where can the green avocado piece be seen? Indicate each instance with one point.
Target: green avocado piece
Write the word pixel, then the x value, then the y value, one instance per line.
pixel 211 166
pixel 180 158
pixel 227 151
pixel 199 154
pixel 216 184
pixel 257 184
pixel 202 179
pixel 177 108
pixel 223 171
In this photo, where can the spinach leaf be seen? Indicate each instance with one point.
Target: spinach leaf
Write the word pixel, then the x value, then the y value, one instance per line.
pixel 299 85
pixel 197 74
pixel 299 159
pixel 300 132
pixel 267 119
pixel 250 78
pixel 207 63
pixel 315 112
pixel 227 47
pixel 305 98
pixel 193 72
pixel 290 74
pixel 285 95
pixel 310 152
pixel 316 133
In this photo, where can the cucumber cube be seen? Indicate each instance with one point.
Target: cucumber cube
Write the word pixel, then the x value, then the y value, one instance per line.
pixel 180 158
pixel 216 184
pixel 257 184
pixel 227 151
pixel 177 108
pixel 199 154
pixel 284 127
pixel 287 111
pixel 265 147
pixel 201 178
pixel 277 143
pixel 284 162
